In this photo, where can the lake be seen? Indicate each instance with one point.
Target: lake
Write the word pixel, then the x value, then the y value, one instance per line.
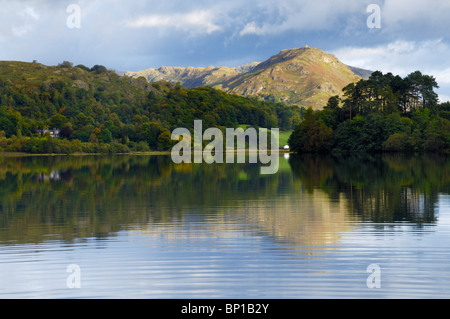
pixel 143 227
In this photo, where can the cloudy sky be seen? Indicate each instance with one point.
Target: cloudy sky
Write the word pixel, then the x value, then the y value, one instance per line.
pixel 131 35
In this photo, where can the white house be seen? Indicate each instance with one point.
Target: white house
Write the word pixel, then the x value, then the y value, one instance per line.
pixel 53 133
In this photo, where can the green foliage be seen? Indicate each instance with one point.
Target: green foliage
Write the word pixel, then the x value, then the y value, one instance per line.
pixel 388 94
pixel 399 142
pixel 58 121
pixel 139 147
pixel 105 136
pixel 383 113
pixel 65 64
pixel 85 68
pixel 98 69
pixel 50 145
pixel 311 135
pixel 97 106
pixel 164 141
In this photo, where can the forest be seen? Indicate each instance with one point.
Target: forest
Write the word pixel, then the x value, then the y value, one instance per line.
pixel 384 113
pixel 95 110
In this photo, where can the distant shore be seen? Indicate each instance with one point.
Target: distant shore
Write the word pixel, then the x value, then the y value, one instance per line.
pixel 21 154
pixel 153 153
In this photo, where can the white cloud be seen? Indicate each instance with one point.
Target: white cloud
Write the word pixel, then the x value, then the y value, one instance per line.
pixel 18 20
pixel 444 98
pixel 399 56
pixel 403 57
pixel 199 22
pixel 20 31
pixel 251 28
pixel 31 12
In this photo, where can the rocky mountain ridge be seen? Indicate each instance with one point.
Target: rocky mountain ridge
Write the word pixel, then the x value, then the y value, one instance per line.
pixel 301 76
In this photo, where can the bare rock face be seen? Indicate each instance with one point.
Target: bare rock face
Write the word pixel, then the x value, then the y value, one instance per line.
pixel 303 76
pixel 80 84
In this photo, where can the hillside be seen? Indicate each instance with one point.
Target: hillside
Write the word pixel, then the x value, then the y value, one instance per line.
pixel 364 74
pixel 191 77
pixel 95 105
pixel 304 77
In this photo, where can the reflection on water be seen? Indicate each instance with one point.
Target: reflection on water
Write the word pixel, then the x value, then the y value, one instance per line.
pixel 142 226
pixel 379 188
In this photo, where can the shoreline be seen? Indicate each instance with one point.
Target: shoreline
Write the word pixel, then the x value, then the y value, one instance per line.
pixel 20 154
pixel 150 153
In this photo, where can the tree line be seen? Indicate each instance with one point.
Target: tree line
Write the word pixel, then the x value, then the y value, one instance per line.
pixel 384 113
pixel 97 110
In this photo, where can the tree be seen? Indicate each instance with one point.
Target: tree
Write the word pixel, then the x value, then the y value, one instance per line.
pixel 361 134
pixel 98 69
pixel 398 142
pixel 6 126
pixel 81 120
pixel 311 135
pixel 165 141
pixel 421 89
pixel 65 64
pixel 83 133
pixel 346 136
pixel 66 131
pixel 105 136
pixel 415 81
pixel 150 132
pixel 81 66
pixel 58 121
pixel 353 98
pixel 333 103
pixel 429 97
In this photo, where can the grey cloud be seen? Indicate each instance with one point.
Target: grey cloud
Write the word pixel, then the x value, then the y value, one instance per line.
pixel 137 34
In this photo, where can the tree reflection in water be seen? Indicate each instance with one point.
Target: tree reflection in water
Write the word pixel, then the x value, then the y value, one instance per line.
pixel 70 197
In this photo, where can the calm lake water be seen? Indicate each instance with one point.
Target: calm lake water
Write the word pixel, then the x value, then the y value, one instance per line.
pixel 143 227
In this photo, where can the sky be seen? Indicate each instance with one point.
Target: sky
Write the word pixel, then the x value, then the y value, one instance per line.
pixel 395 36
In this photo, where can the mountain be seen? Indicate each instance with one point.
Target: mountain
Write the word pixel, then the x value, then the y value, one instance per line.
pixel 191 77
pixel 302 76
pixel 365 74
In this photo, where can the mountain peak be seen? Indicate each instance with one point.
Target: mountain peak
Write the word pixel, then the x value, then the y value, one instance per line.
pixel 299 76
